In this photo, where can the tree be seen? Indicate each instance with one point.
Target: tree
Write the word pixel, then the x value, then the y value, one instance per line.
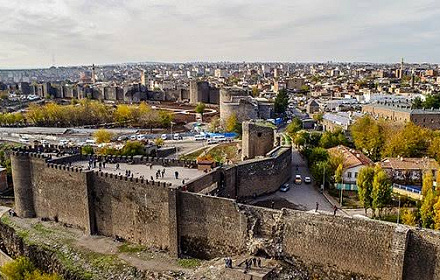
pixel 149 118
pixel 364 183
pixel 338 173
pixel 368 137
pixel 87 150
pixel 434 148
pixel 381 192
pixel 436 219
pixel 165 118
pixel 427 209
pixel 301 138
pixel 428 182
pixel 200 108
pixel 318 154
pixel 102 136
pixel 332 139
pixel 417 103
pixel 281 102
pixel 411 141
pixel 231 123
pixel 215 124
pixel 123 113
pixel 294 126
pixel 409 218
pixel 133 148
pixel 159 142
pixel 318 117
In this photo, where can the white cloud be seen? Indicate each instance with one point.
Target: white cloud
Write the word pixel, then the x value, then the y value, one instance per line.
pixel 110 31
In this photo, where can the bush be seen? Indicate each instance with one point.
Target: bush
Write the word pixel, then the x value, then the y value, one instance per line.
pixel 87 150
pixel 23 269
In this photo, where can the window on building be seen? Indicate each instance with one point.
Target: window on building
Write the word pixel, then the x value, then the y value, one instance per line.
pixel 349 174
pixel 355 174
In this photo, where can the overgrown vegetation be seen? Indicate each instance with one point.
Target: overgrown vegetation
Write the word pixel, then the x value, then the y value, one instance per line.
pixel 23 269
pixel 189 263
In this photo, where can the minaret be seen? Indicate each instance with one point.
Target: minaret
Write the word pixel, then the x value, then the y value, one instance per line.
pixel 93 74
pixel 401 69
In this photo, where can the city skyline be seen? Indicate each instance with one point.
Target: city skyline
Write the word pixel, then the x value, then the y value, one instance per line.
pixel 40 34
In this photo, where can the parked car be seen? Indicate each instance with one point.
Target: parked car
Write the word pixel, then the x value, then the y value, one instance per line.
pixel 164 137
pixel 122 138
pixel 307 180
pixel 140 137
pixel 212 141
pixel 285 187
pixel 177 136
pixel 24 140
pixel 64 142
pixel 298 179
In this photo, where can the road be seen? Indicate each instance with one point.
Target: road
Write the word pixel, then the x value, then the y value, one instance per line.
pixel 304 196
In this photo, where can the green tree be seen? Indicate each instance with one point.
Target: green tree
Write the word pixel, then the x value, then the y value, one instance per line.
pixel 281 102
pixel 293 127
pixel 103 136
pixel 87 150
pixel 133 148
pixel 368 137
pixel 381 192
pixel 159 142
pixel 417 103
pixel 332 139
pixel 427 209
pixel 427 182
pixel 318 154
pixel 364 183
pixel 200 108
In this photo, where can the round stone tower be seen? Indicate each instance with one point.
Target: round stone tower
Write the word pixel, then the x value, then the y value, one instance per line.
pixel 21 177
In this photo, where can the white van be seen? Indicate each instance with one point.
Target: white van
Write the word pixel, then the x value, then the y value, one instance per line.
pixel 140 137
pixel 176 136
pixel 199 137
pixel 219 138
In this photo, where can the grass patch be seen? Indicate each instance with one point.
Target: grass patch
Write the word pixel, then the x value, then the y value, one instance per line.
pixel 189 263
pixel 130 248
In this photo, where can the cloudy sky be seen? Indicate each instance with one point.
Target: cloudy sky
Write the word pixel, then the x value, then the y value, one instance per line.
pixel 39 33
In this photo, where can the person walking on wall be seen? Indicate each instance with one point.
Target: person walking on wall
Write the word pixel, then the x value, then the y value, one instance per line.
pixel 317 207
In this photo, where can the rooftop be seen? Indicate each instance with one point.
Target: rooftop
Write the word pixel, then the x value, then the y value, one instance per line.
pixel 409 163
pixel 352 157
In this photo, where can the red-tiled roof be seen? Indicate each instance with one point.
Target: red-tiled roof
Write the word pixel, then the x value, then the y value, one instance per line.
pixel 351 157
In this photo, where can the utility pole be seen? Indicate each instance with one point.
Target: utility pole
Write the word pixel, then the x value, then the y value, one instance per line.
pixel 398 212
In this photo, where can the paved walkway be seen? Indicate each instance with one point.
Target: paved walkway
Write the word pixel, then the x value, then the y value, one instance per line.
pixel 147 172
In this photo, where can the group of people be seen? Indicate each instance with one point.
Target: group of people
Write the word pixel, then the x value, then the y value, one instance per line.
pixel 160 173
pixel 94 162
pixel 256 262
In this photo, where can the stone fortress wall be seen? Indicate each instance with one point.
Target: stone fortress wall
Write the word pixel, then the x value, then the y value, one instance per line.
pixel 185 222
